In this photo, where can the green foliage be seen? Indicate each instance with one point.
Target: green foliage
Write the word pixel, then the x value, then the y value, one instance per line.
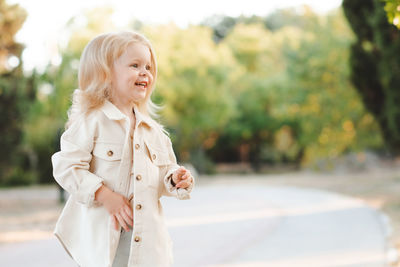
pixel 192 84
pixel 302 18
pixel 221 26
pixel 250 89
pixel 12 18
pixel 319 96
pixel 375 65
pixel 16 94
pixel 392 8
pixel 294 101
pixel 49 113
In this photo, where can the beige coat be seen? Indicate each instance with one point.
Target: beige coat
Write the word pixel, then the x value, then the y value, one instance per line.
pixel 97 149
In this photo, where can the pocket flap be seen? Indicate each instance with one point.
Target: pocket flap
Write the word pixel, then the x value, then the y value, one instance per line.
pixel 157 156
pixel 108 151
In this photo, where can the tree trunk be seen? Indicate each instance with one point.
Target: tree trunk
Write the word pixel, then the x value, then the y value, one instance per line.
pixel 375 66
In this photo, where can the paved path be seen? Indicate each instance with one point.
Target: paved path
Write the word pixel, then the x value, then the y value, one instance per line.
pixel 251 225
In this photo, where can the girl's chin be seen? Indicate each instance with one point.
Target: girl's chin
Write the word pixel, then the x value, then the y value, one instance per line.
pixel 138 97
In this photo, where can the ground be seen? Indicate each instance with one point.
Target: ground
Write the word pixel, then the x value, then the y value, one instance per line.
pixel 30 212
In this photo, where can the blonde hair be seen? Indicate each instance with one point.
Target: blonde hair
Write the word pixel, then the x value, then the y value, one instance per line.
pixel 95 70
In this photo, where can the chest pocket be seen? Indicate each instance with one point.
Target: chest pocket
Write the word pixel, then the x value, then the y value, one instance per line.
pixel 157 156
pixel 106 160
pixel 108 151
pixel 158 160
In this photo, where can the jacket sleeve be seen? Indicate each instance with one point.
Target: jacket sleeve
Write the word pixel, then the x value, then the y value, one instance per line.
pixel 71 164
pixel 171 190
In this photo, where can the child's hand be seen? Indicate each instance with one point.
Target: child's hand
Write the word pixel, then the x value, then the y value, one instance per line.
pixel 118 206
pixel 182 178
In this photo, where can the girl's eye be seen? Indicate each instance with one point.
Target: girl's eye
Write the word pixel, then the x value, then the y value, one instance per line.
pixel 134 65
pixel 148 67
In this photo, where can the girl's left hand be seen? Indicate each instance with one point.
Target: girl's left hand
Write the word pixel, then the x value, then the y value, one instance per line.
pixel 182 178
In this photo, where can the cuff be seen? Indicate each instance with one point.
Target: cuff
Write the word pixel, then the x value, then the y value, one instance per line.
pixel 89 187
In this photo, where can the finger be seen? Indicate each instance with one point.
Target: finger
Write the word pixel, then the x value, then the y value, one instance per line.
pixel 182 184
pixel 185 176
pixel 189 177
pixel 128 211
pixel 176 174
pixel 122 222
pixel 185 173
pixel 114 222
pixel 128 203
pixel 185 183
pixel 126 217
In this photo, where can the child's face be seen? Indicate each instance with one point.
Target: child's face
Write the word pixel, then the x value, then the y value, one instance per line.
pixel 131 76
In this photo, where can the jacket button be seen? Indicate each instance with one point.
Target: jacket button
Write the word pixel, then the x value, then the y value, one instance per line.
pixel 138 206
pixel 137 146
pixel 137 239
pixel 110 153
pixel 154 156
pixel 138 177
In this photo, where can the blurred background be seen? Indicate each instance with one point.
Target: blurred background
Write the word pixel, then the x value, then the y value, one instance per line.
pixel 253 88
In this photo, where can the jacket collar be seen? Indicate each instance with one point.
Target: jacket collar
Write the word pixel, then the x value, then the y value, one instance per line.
pixel 113 113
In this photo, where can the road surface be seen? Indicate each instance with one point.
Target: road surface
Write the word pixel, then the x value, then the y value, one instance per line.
pixel 251 225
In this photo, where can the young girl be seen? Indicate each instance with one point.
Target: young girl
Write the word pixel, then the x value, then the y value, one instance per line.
pixel 116 161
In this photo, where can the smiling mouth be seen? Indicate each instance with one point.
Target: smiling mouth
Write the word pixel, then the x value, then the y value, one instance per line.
pixel 141 84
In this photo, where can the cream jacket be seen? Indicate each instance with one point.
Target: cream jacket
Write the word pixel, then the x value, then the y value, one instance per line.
pixel 97 149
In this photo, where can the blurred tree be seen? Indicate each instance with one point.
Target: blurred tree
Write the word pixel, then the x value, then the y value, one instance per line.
pixel 222 25
pixel 392 8
pixel 11 20
pixel 251 130
pixel 16 93
pixel 299 17
pixel 293 100
pixel 55 86
pixel 375 64
pixel 261 94
pixel 332 118
pixel 193 83
pixel 86 26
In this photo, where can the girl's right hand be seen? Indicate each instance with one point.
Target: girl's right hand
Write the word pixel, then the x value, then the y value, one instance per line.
pixel 117 205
